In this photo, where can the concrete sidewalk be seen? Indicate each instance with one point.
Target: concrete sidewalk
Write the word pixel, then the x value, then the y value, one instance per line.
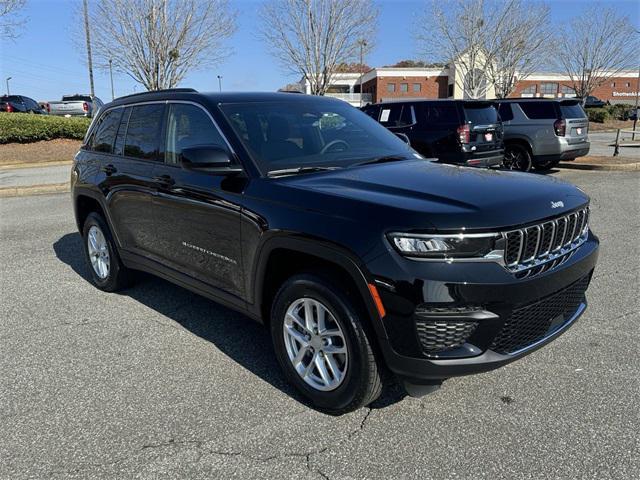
pixel 25 177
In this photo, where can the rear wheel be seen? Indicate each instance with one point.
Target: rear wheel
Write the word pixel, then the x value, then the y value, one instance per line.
pixel 517 157
pixel 107 271
pixel 321 345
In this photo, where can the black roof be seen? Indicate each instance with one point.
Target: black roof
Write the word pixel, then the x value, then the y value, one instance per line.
pixel 431 100
pixel 538 99
pixel 218 97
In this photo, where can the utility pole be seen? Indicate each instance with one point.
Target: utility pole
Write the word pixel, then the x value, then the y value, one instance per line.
pixel 220 82
pixel 362 43
pixel 635 122
pixel 88 37
pixel 111 75
pixel 9 93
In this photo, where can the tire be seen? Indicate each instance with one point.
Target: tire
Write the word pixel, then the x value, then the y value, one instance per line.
pixel 517 158
pixel 100 250
pixel 354 378
pixel 546 166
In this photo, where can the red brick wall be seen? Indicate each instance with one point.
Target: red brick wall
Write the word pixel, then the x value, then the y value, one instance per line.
pixel 430 87
pixel 604 92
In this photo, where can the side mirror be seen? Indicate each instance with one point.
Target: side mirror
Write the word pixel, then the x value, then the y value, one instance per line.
pixel 210 159
pixel 404 138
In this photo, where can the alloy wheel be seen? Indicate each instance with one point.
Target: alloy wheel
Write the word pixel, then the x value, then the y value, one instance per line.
pixel 98 252
pixel 515 159
pixel 315 344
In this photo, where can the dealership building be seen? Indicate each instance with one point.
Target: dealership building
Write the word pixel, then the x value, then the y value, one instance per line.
pixel 393 84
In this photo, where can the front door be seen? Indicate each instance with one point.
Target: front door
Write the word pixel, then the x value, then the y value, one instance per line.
pixel 197 214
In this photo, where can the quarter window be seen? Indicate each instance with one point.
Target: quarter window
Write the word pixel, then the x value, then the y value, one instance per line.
pixel 505 112
pixel 143 132
pixel 539 110
pixel 106 132
pixel 188 126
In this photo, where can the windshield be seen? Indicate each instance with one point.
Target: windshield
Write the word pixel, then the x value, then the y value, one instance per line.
pixel 480 113
pixel 285 135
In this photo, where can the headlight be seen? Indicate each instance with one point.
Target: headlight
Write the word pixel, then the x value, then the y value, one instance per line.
pixel 448 246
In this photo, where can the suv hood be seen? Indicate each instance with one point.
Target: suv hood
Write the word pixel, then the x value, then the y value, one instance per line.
pixel 418 194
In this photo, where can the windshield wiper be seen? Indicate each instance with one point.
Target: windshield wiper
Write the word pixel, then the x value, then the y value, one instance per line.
pixel 384 159
pixel 296 170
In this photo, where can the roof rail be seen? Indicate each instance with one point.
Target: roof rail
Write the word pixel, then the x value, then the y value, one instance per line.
pixel 166 90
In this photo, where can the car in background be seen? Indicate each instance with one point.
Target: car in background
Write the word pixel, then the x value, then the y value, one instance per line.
pixel 539 133
pixel 464 132
pixel 20 104
pixel 76 105
pixel 594 102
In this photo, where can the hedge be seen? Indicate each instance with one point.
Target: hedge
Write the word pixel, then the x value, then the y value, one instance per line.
pixel 25 127
pixel 598 115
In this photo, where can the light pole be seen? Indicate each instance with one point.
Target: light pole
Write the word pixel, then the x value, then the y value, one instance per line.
pixel 88 40
pixel 220 82
pixel 635 122
pixel 111 75
pixel 8 78
pixel 362 43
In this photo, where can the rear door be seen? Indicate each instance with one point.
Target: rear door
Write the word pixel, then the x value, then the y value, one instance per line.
pixel 577 123
pixel 127 176
pixel 485 127
pixel 198 214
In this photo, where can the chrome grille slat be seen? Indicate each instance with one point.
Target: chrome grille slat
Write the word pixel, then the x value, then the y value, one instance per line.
pixel 545 245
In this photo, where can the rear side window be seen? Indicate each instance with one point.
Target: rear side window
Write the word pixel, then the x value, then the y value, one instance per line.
pixel 571 110
pixel 442 114
pixel 188 126
pixel 143 132
pixel 480 113
pixel 539 110
pixel 505 112
pixel 106 132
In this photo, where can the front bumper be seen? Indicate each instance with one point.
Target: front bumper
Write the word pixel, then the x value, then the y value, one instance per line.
pixel 484 293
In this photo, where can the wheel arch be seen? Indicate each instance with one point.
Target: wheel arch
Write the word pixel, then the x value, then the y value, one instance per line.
pixel 521 142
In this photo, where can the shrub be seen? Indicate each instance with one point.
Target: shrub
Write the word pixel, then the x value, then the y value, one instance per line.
pixel 25 127
pixel 598 115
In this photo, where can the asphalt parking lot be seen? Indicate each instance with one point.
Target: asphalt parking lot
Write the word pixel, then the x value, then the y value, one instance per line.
pixel 158 383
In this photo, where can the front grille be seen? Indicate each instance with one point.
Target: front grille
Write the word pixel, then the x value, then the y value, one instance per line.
pixel 530 323
pixel 529 247
pixel 437 336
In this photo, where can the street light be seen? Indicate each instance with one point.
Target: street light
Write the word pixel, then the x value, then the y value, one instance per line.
pixel 220 82
pixel 363 44
pixel 8 78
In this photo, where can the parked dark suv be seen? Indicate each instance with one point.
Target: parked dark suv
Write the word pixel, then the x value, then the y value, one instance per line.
pixel 453 131
pixel 357 253
pixel 20 104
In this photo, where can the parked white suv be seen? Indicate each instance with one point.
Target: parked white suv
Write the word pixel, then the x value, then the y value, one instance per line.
pixel 539 133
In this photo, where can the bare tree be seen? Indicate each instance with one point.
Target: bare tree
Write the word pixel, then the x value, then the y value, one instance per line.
pixel 312 37
pixel 10 20
pixel 156 42
pixel 596 46
pixel 521 45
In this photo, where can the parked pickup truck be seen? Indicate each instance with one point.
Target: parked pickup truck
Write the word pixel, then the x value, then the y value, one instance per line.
pixel 75 106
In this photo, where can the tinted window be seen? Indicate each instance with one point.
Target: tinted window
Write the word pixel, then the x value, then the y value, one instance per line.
pixel 106 131
pixel 396 115
pixel 372 112
pixel 444 113
pixel 505 112
pixel 118 147
pixel 310 133
pixel 143 132
pixel 77 98
pixel 571 110
pixel 539 110
pixel 480 113
pixel 188 126
pixel 11 98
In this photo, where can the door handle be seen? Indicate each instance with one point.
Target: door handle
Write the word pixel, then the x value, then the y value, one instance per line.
pixel 109 169
pixel 164 180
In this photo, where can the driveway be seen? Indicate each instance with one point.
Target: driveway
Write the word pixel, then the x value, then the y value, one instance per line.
pixel 159 383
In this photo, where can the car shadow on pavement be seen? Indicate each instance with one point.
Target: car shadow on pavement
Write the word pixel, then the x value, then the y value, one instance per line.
pixel 240 338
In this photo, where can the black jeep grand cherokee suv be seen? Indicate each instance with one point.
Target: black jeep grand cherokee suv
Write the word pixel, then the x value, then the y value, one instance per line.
pixel 306 214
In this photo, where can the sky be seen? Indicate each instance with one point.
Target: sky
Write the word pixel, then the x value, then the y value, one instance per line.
pixel 45 63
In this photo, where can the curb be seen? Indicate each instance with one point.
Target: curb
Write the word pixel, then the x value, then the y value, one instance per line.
pixel 623 167
pixel 17 166
pixel 34 190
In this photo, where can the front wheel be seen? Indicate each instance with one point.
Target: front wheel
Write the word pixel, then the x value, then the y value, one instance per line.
pixel 517 158
pixel 321 345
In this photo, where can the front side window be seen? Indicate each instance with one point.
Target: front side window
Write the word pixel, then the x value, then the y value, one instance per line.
pixel 310 134
pixel 143 132
pixel 106 131
pixel 189 126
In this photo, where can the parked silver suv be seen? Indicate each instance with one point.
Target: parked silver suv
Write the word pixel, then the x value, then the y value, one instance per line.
pixel 541 132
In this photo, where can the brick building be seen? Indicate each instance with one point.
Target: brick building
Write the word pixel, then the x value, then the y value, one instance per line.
pixel 391 83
